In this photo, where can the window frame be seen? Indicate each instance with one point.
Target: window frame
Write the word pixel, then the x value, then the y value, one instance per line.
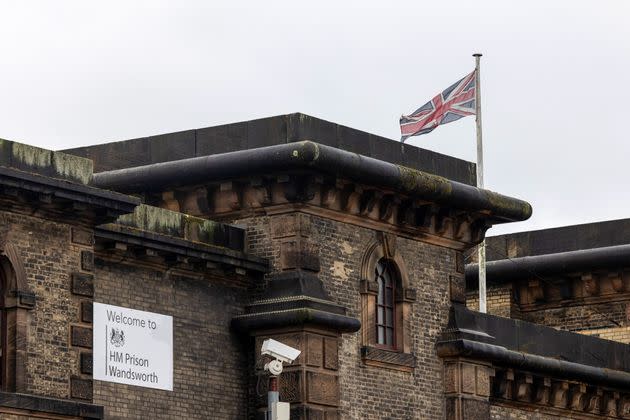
pixel 388 268
pixel 399 355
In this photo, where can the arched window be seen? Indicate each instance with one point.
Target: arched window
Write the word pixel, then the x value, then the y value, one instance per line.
pixel 385 304
pixel 16 299
pixel 386 300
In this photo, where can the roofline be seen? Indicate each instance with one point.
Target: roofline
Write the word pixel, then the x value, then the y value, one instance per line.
pixel 507 270
pixel 534 363
pixel 311 156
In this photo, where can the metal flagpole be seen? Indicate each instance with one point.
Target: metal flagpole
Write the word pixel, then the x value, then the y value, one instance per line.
pixel 482 245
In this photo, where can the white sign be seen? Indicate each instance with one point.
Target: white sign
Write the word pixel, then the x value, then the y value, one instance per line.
pixel 133 347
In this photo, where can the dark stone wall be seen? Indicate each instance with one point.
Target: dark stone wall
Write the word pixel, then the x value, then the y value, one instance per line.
pixel 266 132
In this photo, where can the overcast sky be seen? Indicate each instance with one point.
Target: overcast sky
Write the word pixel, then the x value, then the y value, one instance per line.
pixel 555 80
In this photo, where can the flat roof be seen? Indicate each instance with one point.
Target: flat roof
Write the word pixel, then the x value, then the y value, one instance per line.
pixel 560 239
pixel 270 131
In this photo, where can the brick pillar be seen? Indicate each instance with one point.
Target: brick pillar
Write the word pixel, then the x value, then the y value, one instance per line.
pixel 311 383
pixel 467 390
pixel 82 288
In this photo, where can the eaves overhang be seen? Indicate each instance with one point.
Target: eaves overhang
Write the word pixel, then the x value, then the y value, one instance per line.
pixel 535 348
pixel 90 204
pixel 510 269
pixel 311 157
pixel 172 250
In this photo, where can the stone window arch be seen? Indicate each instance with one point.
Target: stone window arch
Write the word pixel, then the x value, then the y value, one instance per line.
pixel 382 263
pixel 16 300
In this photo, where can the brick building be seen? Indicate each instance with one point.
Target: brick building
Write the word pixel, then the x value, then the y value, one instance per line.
pixel 348 246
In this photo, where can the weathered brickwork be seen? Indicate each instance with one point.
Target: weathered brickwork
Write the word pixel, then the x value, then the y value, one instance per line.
pixel 49 258
pixel 577 318
pixel 341 247
pixel 620 334
pixel 499 301
pixel 209 379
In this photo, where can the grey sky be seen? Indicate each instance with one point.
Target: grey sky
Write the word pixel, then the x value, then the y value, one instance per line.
pixel 555 84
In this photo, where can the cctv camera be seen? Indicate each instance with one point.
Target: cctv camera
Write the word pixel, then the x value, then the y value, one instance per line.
pixel 279 351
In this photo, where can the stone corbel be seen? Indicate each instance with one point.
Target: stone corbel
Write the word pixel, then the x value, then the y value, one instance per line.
pixel 591 286
pixel 351 198
pixel 256 194
pixel 195 202
pixel 368 201
pixel 329 195
pixel 169 201
pixel 462 227
pixel 503 384
pixel 444 224
pixel 478 230
pixel 226 198
pixel 610 403
pixel 523 387
pixel 301 188
pixel 387 206
pixel 624 407
pixel 559 394
pixel 594 401
pixel 543 390
pixel 578 396
pixel 616 281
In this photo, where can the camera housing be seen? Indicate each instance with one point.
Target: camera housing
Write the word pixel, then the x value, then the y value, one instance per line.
pixel 279 351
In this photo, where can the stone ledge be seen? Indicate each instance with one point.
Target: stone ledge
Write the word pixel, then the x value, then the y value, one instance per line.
pixel 35 404
pixel 388 358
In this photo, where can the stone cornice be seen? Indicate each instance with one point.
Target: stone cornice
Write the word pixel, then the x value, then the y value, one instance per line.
pixel 332 198
pixel 325 177
pixel 39 195
pixel 140 246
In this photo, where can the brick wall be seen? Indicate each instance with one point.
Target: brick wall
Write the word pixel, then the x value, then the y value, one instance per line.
pixel 580 317
pixel 210 378
pixel 499 301
pixel 620 334
pixel 370 392
pixel 49 258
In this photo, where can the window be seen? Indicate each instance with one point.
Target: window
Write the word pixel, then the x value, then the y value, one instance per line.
pixel 386 300
pixel 16 299
pixel 385 306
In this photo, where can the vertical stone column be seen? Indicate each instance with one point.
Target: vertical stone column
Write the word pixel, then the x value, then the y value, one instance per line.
pixel 296 309
pixel 311 383
pixel 467 389
pixel 82 287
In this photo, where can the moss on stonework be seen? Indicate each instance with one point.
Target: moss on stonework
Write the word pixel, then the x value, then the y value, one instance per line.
pixel 31 155
pixel 204 229
pixel 154 219
pixel 509 205
pixel 45 162
pixel 74 167
pixel 171 223
pixel 422 182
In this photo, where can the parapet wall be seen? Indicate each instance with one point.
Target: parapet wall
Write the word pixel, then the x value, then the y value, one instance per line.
pixel 45 162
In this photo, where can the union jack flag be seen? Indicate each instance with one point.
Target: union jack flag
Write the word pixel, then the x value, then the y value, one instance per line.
pixel 455 102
